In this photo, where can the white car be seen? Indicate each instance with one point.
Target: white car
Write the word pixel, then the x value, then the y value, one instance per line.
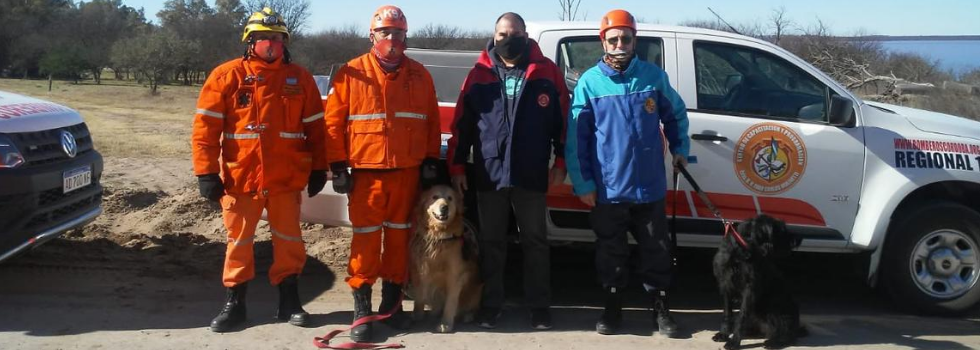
pixel 772 134
pixel 49 173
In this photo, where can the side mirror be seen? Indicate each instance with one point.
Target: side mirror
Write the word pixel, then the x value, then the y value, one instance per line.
pixel 841 111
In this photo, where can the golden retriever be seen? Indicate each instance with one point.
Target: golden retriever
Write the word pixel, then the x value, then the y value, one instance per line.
pixel 444 270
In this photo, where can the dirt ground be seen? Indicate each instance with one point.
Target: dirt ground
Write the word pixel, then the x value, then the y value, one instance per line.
pixel 146 273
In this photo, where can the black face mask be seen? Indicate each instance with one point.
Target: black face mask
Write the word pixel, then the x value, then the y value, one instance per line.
pixel 511 47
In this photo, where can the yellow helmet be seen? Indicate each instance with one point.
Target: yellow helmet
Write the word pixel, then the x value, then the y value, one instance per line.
pixel 266 20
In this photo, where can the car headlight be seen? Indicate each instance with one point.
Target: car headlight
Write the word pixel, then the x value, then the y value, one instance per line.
pixel 10 157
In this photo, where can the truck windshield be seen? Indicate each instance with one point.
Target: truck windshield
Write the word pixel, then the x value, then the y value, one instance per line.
pixel 577 54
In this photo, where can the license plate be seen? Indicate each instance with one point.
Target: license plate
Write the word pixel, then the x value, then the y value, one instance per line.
pixel 77 178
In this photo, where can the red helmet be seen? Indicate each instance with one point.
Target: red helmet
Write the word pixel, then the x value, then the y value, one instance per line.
pixel 616 18
pixel 389 16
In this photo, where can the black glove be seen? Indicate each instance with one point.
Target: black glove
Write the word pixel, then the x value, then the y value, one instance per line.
pixel 318 178
pixel 429 172
pixel 211 186
pixel 342 181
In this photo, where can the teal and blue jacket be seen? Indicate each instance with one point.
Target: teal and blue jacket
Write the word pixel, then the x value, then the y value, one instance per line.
pixel 615 143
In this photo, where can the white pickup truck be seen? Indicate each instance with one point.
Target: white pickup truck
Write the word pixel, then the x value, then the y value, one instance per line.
pixel 49 173
pixel 773 134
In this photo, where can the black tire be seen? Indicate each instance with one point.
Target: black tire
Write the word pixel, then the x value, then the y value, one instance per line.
pixel 946 236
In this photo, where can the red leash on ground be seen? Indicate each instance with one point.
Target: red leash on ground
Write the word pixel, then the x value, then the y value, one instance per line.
pixel 324 342
pixel 729 225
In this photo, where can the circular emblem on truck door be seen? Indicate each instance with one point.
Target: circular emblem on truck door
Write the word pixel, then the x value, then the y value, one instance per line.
pixel 769 158
pixel 68 144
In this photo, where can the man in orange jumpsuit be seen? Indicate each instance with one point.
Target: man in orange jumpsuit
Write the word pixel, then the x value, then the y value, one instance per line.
pixel 383 123
pixel 259 123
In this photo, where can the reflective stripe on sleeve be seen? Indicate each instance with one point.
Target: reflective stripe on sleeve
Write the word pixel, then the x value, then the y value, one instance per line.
pixel 397 225
pixel 366 116
pixel 410 115
pixel 366 229
pixel 313 117
pixel 229 135
pixel 291 135
pixel 210 113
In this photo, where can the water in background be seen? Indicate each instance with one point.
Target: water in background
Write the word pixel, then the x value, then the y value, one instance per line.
pixel 959 56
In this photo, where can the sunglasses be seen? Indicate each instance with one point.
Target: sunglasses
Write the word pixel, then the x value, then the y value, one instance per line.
pixel 613 40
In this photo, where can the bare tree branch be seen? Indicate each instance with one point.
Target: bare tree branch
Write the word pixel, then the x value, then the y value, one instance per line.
pixel 779 23
pixel 569 10
pixel 294 12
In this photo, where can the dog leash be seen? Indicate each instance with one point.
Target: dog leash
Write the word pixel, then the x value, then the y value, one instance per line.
pixel 324 341
pixel 729 225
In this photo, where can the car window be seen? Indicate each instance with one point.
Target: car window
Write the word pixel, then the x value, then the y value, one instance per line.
pixel 447 68
pixel 740 80
pixel 576 55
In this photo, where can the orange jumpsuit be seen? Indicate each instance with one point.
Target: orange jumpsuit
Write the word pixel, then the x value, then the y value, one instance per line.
pixel 383 125
pixel 261 126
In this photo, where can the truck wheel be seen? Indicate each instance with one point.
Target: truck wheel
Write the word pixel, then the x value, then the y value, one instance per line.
pixel 931 263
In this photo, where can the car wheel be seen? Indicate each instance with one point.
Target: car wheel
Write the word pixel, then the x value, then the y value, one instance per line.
pixel 931 259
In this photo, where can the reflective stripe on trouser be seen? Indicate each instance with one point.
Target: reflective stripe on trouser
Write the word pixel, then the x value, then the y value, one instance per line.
pixel 241 215
pixel 381 201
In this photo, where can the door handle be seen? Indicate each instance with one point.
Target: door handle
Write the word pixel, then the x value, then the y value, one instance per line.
pixel 708 137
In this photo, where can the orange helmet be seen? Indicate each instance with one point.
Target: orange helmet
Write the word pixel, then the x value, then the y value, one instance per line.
pixel 616 18
pixel 389 16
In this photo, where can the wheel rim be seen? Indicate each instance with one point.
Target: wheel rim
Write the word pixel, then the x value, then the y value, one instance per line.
pixel 944 264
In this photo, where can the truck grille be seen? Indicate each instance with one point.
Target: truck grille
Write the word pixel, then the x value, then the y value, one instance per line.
pixel 44 147
pixel 57 194
pixel 79 200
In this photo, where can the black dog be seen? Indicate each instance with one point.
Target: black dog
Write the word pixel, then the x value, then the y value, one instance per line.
pixel 749 275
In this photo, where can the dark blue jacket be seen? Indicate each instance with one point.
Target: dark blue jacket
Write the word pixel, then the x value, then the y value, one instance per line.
pixel 510 150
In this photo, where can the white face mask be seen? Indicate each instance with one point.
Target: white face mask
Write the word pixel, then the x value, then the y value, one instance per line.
pixel 618 55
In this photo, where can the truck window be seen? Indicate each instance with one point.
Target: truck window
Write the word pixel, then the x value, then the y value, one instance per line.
pixel 577 54
pixel 744 81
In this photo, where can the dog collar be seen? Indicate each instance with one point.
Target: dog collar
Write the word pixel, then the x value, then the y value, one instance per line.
pixel 449 238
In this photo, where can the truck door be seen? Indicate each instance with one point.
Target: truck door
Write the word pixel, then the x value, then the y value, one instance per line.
pixel 763 141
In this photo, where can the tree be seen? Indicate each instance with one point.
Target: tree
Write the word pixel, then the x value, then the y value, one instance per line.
pixel 97 26
pixel 63 61
pixel 443 37
pixel 153 56
pixel 569 10
pixel 294 12
pixel 779 23
pixel 322 51
pixel 20 22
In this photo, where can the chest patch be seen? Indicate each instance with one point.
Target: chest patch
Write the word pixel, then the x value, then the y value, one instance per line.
pixel 290 90
pixel 649 105
pixel 543 100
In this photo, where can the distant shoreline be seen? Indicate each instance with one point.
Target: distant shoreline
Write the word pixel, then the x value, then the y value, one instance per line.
pixel 914 38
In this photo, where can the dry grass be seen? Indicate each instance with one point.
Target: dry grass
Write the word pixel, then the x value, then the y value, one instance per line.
pixel 124 119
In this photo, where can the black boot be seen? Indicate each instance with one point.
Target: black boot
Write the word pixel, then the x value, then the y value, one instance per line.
pixel 233 314
pixel 661 315
pixel 290 308
pixel 362 308
pixel 612 315
pixel 390 298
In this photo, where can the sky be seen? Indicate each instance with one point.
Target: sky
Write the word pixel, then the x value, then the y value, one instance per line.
pixel 843 17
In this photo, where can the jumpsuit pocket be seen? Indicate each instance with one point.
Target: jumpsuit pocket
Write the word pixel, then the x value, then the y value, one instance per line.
pixel 227 202
pixel 293 117
pixel 301 165
pixel 418 135
pixel 367 144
